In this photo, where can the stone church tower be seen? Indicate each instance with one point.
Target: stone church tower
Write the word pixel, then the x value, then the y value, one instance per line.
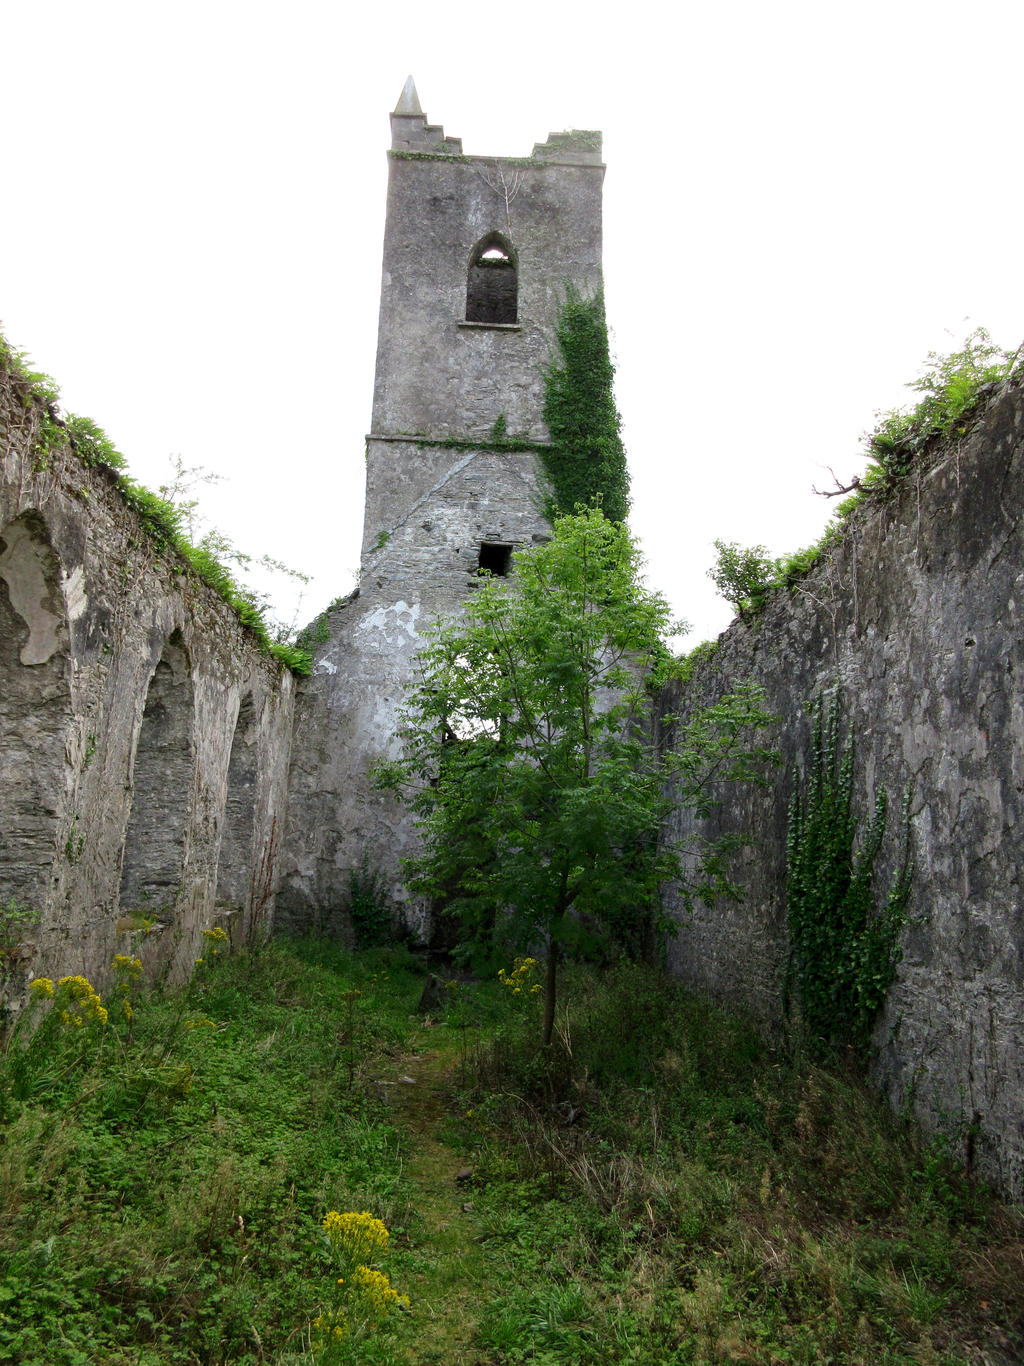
pixel 477 255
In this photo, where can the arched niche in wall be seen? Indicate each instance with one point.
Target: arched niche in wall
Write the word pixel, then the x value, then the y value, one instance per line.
pixel 235 870
pixel 162 782
pixel 35 710
pixel 492 286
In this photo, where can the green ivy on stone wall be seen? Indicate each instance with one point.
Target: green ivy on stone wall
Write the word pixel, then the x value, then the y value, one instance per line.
pixel 586 461
pixel 844 947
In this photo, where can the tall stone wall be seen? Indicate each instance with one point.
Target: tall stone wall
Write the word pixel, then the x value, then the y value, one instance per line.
pixel 144 737
pixel 916 614
pixel 448 490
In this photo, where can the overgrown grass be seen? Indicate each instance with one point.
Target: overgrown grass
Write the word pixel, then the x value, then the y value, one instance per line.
pixel 667 1189
pixel 163 1180
pixel 657 1187
pixel 161 519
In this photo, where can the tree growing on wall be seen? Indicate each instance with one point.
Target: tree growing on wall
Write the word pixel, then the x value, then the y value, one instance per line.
pixel 743 575
pixel 539 799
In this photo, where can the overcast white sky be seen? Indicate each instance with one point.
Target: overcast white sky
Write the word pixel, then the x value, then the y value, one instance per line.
pixel 802 200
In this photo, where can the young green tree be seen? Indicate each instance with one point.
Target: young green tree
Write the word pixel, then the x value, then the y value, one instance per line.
pixel 743 575
pixel 539 797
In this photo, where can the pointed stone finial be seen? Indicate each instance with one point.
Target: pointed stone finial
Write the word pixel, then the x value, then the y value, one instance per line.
pixel 408 101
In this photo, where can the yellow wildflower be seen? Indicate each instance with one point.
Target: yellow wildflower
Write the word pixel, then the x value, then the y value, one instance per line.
pixel 41 987
pixel 329 1325
pixel 78 990
pixel 217 935
pixel 520 976
pixel 375 1288
pixel 356 1235
pixel 123 962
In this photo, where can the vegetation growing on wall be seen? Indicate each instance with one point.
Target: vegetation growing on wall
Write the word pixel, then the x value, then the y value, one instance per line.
pixel 844 946
pixel 682 669
pixel 586 461
pixel 163 519
pixel 953 386
pixel 527 763
pixel 742 575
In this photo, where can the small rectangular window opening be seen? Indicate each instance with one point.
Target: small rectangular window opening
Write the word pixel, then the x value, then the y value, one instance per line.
pixel 495 558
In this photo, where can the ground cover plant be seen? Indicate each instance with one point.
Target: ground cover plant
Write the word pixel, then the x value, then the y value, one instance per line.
pixel 260 1168
pixel 167 1160
pixel 668 1189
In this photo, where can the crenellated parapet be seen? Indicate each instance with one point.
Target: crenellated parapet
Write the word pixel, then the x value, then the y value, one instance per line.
pixel 576 147
pixel 410 131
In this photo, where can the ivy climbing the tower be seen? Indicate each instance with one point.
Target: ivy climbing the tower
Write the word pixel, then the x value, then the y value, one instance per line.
pixel 586 461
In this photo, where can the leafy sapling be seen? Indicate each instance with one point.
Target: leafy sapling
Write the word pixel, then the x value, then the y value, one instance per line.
pixel 526 762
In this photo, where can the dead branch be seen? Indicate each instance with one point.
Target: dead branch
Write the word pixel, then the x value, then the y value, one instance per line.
pixel 506 189
pixel 839 488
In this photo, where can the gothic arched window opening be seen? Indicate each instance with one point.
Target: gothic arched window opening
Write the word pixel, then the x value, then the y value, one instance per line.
pixel 492 289
pixel 163 773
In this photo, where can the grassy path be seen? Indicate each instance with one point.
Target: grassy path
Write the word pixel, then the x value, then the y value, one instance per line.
pixel 443 1265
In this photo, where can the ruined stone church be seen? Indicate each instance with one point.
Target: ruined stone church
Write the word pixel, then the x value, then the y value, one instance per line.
pixel 477 255
pixel 157 767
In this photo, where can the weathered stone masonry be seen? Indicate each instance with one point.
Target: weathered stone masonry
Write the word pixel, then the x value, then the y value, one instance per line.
pixel 444 498
pixel 144 738
pixel 917 614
